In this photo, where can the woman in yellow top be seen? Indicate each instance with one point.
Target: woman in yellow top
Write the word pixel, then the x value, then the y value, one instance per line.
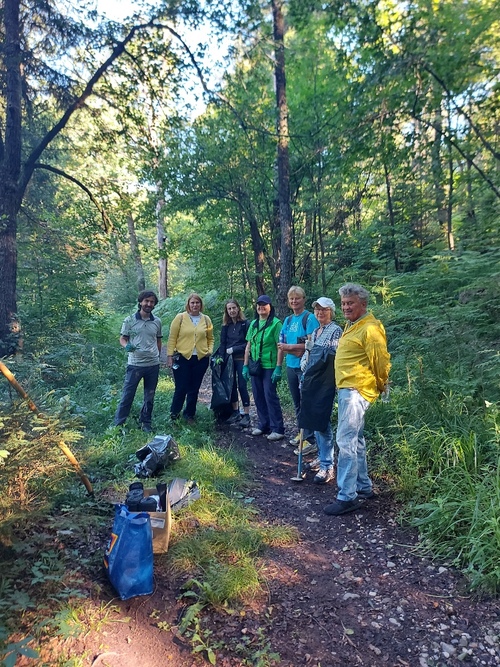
pixel 190 344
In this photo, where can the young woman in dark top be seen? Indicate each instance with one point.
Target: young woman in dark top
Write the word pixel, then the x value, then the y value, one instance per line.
pixel 233 341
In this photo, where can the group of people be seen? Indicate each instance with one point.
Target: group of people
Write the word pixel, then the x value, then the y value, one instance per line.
pixel 321 359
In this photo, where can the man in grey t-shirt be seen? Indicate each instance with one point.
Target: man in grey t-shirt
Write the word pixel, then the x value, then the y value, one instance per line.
pixel 141 337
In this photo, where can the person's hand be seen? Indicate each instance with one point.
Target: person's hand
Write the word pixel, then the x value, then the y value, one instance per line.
pixel 229 350
pixel 245 373
pixel 304 360
pixel 217 361
pixel 385 395
pixel 309 344
pixel 130 347
pixel 276 376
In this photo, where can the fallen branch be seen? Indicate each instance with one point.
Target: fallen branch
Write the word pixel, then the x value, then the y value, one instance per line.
pixel 62 445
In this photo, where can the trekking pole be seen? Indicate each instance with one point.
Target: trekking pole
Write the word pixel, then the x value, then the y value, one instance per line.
pixel 299 477
pixel 62 445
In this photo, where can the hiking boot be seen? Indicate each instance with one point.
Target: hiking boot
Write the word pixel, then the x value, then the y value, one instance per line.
pixel 342 507
pixel 366 494
pixel 273 437
pixel 324 476
pixel 234 418
pixel 307 448
pixel 244 421
pixel 296 440
pixel 313 466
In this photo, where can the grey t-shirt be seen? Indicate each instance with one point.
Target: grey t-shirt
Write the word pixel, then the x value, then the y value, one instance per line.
pixel 143 334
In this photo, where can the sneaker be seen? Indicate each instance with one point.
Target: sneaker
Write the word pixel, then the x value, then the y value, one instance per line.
pixel 244 421
pixel 273 437
pixel 257 431
pixel 234 418
pixel 366 494
pixel 307 448
pixel 342 507
pixel 296 440
pixel 324 476
pixel 313 466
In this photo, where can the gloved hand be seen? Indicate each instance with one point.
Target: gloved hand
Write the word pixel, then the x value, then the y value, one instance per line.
pixel 229 350
pixel 130 347
pixel 309 344
pixel 304 360
pixel 246 373
pixel 276 376
pixel 217 361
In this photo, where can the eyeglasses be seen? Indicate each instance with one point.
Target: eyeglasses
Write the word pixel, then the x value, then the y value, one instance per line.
pixel 321 310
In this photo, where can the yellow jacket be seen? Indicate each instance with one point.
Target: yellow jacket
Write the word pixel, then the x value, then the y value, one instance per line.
pixel 362 361
pixel 184 336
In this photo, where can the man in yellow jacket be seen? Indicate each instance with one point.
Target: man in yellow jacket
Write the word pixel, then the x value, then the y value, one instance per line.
pixel 362 365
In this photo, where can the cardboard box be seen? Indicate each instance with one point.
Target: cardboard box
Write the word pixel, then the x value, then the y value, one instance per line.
pixel 161 523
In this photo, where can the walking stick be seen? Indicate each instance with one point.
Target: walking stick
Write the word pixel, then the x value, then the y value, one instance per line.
pixel 62 445
pixel 299 477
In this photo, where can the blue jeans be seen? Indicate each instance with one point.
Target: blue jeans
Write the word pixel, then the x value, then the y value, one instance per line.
pixel 324 440
pixel 267 403
pixel 352 468
pixel 188 378
pixel 239 383
pixel 133 376
pixel 293 376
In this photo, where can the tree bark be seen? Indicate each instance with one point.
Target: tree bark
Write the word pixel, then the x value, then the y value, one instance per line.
pixel 136 254
pixel 10 170
pixel 283 272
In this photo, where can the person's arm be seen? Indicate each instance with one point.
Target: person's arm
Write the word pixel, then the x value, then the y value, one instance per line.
pixel 210 334
pixel 172 338
pixel 379 357
pixel 124 340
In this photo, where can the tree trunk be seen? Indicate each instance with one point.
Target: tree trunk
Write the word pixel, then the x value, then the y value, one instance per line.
pixel 10 170
pixel 284 265
pixel 392 218
pixel 136 254
pixel 162 252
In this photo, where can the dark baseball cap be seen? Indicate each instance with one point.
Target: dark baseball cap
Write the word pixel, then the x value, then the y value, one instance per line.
pixel 264 299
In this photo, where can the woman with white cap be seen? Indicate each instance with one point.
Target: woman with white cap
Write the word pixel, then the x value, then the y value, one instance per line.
pixel 318 386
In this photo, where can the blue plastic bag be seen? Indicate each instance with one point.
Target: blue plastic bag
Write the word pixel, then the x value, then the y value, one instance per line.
pixel 129 556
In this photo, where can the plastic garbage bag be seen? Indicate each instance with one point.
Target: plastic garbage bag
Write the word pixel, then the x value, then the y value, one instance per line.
pixel 182 492
pixel 129 556
pixel 222 366
pixel 156 455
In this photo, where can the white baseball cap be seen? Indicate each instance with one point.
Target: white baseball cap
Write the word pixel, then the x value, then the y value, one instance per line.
pixel 324 302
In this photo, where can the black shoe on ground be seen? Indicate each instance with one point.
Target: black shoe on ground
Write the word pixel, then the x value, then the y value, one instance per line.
pixel 146 428
pixel 244 421
pixel 366 494
pixel 342 507
pixel 234 418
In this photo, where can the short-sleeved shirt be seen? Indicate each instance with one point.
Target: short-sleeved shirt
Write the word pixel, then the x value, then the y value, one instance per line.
pixel 144 335
pixel 268 333
pixel 292 329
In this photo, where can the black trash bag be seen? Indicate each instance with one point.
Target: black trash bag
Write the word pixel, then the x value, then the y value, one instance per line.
pixel 182 492
pixel 156 455
pixel 222 367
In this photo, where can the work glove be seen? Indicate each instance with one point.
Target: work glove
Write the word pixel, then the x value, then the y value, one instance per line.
pixel 276 376
pixel 130 347
pixel 229 350
pixel 246 373
pixel 217 361
pixel 304 361
pixel 309 344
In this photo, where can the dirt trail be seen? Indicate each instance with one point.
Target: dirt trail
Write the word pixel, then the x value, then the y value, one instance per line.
pixel 354 591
